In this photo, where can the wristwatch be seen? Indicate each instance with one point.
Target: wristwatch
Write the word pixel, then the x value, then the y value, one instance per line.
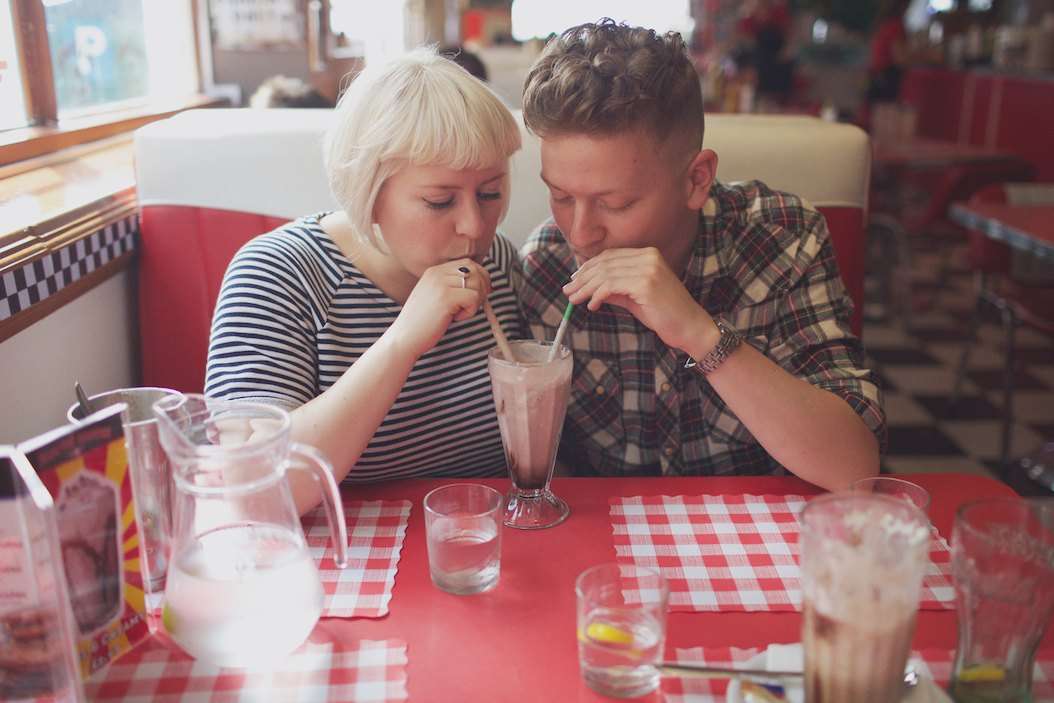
pixel 728 342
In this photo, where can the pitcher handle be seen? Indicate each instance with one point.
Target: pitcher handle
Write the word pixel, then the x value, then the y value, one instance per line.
pixel 317 463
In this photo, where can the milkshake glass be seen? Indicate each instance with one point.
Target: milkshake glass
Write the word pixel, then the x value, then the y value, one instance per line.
pixel 530 396
pixel 863 557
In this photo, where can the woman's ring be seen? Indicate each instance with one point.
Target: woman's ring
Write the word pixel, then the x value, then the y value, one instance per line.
pixel 464 275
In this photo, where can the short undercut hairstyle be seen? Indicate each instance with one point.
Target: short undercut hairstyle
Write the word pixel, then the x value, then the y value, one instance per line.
pixel 606 77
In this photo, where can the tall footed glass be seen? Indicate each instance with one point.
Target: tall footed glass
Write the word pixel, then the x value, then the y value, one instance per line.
pixel 530 396
pixel 242 587
pixel 1003 564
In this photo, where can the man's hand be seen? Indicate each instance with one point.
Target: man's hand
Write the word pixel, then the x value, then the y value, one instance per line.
pixel 641 281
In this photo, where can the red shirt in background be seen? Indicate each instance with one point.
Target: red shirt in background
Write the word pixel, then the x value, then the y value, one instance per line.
pixel 775 16
pixel 885 38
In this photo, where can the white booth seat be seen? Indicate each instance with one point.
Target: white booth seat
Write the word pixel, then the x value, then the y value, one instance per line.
pixel 209 180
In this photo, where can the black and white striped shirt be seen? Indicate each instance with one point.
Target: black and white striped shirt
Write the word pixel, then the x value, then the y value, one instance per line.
pixel 294 313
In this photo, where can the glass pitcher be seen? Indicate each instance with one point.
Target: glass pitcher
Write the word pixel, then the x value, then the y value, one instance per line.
pixel 242 586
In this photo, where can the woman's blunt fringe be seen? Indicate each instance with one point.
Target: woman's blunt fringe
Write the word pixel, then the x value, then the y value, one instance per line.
pixel 419 109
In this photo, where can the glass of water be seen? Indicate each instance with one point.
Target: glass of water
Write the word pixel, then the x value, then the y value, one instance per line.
pixel 463 525
pixel 621 628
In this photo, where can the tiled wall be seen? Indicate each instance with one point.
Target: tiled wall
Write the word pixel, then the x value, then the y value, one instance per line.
pixel 46 276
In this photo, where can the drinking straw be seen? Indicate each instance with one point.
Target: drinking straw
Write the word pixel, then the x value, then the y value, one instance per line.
pixel 499 336
pixel 561 330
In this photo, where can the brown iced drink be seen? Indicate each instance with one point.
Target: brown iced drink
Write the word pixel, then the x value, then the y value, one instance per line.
pixel 860 660
pixel 530 397
pixel 863 557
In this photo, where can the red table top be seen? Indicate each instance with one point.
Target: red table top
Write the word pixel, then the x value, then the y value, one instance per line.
pixel 517 642
pixel 918 152
pixel 1031 221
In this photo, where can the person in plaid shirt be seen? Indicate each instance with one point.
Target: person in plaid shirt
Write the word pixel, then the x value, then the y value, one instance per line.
pixel 667 267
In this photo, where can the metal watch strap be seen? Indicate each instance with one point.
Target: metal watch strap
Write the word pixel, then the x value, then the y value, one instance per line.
pixel 728 342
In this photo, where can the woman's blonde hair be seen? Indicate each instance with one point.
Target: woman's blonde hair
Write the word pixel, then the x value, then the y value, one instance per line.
pixel 419 109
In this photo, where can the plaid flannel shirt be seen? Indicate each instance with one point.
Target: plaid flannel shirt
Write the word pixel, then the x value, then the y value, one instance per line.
pixel 763 261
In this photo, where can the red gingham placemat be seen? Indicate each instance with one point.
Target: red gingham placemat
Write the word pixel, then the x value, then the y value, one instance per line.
pixel 734 552
pixel 375 538
pixel 931 663
pixel 703 690
pixel 158 671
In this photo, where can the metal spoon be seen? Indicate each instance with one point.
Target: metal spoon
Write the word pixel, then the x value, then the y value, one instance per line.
pixel 701 671
pixel 82 399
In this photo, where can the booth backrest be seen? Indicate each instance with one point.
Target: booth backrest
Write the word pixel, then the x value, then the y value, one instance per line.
pixel 210 180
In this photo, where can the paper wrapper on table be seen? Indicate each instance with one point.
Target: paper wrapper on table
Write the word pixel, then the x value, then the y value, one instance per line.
pixel 85 469
pixel 38 654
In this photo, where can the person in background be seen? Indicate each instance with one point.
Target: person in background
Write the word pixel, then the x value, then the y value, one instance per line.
pixel 765 27
pixel 282 91
pixel 365 322
pixel 711 328
pixel 888 53
pixel 466 59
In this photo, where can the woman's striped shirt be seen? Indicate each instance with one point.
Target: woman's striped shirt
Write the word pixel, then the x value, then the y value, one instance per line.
pixel 294 313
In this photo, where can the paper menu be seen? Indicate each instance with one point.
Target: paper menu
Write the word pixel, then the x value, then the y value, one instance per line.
pixel 38 659
pixel 84 468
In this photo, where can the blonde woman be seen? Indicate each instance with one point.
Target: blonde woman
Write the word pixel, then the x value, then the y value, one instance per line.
pixel 366 322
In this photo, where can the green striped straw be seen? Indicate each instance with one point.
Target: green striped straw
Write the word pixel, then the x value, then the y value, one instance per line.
pixel 561 330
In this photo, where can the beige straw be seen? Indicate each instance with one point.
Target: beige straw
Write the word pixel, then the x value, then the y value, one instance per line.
pixel 499 335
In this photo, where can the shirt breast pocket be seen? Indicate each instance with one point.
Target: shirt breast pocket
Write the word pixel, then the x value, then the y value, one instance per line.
pixel 723 427
pixel 596 405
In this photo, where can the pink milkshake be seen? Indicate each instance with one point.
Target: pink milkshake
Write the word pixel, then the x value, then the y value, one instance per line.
pixel 530 397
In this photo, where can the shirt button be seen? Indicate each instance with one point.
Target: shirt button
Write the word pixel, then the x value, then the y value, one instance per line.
pixel 600 390
pixel 665 387
pixel 668 451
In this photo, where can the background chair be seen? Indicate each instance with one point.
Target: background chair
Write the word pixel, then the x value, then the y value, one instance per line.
pixel 210 180
pixel 910 213
pixel 1021 298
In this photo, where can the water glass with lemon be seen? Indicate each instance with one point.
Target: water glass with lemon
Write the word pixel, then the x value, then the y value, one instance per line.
pixel 1003 564
pixel 621 628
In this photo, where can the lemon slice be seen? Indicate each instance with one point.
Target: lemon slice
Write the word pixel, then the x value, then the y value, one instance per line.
pixel 608 634
pixel 982 673
pixel 167 619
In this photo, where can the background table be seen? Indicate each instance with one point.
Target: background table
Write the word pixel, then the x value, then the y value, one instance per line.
pixel 1029 228
pixel 517 642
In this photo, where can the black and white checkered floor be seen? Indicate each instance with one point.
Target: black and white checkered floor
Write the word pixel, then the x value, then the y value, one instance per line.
pixel 926 432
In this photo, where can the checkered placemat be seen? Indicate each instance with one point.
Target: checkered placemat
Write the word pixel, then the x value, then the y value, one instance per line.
pixel 931 663
pixel 734 552
pixel 157 671
pixel 375 538
pixel 703 690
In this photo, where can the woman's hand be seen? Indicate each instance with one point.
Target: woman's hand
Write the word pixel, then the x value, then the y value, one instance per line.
pixel 449 292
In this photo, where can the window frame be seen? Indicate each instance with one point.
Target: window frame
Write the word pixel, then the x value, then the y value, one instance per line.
pixel 45 133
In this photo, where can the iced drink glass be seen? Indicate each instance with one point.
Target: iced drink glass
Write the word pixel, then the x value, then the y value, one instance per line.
pixel 463 530
pixel 621 612
pixel 863 557
pixel 151 481
pixel 530 396
pixel 1003 564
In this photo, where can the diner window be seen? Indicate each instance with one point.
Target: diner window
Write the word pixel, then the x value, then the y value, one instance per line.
pixel 88 68
pixel 98 52
pixel 108 54
pixel 12 105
